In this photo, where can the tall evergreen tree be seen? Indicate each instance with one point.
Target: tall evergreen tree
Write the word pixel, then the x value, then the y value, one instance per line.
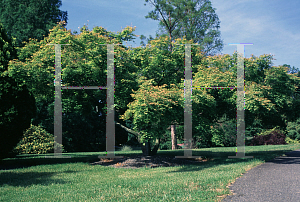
pixel 24 19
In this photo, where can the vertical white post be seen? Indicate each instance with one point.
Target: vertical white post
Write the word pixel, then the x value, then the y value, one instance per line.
pixel 188 138
pixel 110 117
pixel 240 102
pixel 57 103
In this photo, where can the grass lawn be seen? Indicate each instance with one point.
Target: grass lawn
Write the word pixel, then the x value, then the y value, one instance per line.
pixel 74 179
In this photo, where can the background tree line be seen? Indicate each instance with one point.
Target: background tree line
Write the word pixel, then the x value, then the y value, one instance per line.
pixel 149 88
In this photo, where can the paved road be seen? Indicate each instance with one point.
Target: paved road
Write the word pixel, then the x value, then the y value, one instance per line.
pixel 276 180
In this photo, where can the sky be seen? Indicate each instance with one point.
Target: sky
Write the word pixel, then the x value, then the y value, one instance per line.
pixel 273 26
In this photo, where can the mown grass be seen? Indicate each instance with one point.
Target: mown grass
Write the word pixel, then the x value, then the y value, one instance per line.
pixel 74 179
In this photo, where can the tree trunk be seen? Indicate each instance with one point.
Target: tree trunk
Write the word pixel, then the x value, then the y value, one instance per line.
pixel 146 148
pixel 173 137
pixel 155 148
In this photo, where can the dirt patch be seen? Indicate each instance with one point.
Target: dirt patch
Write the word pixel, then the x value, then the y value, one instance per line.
pixel 139 161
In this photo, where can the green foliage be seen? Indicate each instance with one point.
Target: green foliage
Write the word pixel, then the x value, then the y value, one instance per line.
pixel 269 131
pixel 261 109
pixel 83 64
pixel 193 20
pixel 36 140
pixel 166 145
pixel 224 133
pixel 293 130
pixel 7 52
pixel 217 137
pixel 132 139
pixel 30 18
pixel 274 88
pixel 17 104
pixel 83 132
pixel 17 108
pixel 126 148
pixel 291 141
pixel 149 88
pixel 165 141
pixel 253 130
pixel 149 101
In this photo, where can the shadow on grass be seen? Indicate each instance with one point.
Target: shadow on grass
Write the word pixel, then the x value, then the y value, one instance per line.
pixel 28 160
pixel 25 179
pixel 13 177
pixel 215 158
pixel 221 158
pixel 8 164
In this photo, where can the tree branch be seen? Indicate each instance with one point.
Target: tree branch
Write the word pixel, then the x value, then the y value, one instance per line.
pixel 163 20
pixel 137 134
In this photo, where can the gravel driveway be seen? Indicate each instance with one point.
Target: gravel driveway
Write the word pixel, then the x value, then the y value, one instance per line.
pixel 276 180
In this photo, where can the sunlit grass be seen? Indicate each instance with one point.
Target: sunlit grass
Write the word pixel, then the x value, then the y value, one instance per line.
pixel 74 179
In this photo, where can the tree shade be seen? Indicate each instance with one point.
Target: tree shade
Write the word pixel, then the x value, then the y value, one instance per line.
pixel 17 104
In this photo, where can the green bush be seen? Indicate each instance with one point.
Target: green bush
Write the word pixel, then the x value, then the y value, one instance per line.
pixel 166 145
pixel 293 130
pixel 291 141
pixel 224 134
pixel 126 148
pixel 217 137
pixel 36 140
pixel 202 136
pixel 255 128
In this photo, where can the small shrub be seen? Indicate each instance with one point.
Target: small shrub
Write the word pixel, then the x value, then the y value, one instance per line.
pixel 291 141
pixel 293 130
pixel 217 137
pixel 126 148
pixel 35 140
pixel 166 145
pixel 224 133
pixel 274 138
pixel 223 138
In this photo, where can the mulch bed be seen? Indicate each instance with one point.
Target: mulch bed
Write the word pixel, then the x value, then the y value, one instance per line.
pixel 139 161
pixel 133 162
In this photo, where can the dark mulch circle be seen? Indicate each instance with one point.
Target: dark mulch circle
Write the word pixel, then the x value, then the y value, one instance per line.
pixel 139 161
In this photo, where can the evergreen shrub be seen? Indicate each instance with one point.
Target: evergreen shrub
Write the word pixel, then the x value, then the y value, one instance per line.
pixel 36 140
